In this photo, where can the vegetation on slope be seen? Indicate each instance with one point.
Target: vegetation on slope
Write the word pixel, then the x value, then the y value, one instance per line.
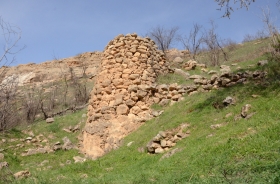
pixel 240 151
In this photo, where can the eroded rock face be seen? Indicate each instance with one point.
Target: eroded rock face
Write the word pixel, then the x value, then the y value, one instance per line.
pixel 50 71
pixel 123 92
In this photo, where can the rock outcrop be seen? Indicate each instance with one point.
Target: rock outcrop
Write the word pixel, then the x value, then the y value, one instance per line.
pixel 123 92
pixel 50 71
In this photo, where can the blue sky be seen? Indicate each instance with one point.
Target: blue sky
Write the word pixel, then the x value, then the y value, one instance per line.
pixel 64 28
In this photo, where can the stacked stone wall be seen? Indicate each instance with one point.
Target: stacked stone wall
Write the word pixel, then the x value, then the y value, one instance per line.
pixel 123 92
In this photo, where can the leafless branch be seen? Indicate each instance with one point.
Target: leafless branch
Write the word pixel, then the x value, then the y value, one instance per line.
pixel 193 41
pixel 163 37
pixel 228 5
pixel 269 24
pixel 11 36
pixel 213 45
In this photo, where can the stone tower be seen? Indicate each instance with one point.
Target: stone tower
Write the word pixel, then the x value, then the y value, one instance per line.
pixel 123 92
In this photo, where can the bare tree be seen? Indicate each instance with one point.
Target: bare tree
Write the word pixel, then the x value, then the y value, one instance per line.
pixel 80 88
pixel 163 37
pixel 8 89
pixel 83 64
pixel 32 102
pixel 213 45
pixel 260 34
pixel 228 5
pixel 65 86
pixel 8 106
pixel 11 36
pixel 269 24
pixel 193 41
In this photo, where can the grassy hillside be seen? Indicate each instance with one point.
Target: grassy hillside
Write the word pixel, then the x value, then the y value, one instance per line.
pixel 238 150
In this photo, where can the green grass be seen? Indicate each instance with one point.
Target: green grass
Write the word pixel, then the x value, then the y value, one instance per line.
pixel 241 52
pixel 241 151
pixel 244 151
pixel 171 78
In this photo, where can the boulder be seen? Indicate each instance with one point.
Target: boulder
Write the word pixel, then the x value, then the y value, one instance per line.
pixel 178 60
pixel 182 73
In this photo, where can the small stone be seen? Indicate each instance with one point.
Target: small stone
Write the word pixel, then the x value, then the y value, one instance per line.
pixel 76 128
pixel 28 138
pixel 44 162
pixel 210 135
pixel 57 147
pixel 181 72
pixel 45 141
pixel 159 150
pixel 180 135
pixel 228 115
pixel 170 153
pixel 196 77
pixel 262 63
pixel 22 174
pixel 50 120
pixel 245 109
pixel 178 60
pixel 67 130
pixel 130 143
pixel 172 102
pixel 84 176
pixel 228 101
pixel 67 144
pixel 3 164
pixel 164 102
pixel 211 72
pixel 141 150
pixel 162 134
pixel 79 159
pixel 216 126
pixel 1 156
pixel 157 138
pixel 31 152
pixel 68 162
pixel 163 143
pixel 169 143
pixel 122 109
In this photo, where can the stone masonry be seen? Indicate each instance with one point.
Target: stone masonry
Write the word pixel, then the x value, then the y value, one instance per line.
pixel 123 92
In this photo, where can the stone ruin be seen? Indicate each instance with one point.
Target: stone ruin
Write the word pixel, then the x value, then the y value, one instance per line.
pixel 165 140
pixel 123 92
pixel 125 88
